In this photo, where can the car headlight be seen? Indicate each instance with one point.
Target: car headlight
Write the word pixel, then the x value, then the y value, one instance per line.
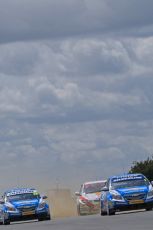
pixel 10 208
pixel 116 196
pixel 150 194
pixel 83 200
pixel 42 205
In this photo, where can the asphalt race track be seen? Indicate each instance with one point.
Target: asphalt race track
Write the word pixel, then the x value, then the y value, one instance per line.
pixel 124 221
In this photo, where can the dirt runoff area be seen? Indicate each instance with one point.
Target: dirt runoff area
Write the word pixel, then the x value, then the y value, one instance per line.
pixel 62 203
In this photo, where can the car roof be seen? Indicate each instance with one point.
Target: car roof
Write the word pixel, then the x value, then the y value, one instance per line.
pixel 128 176
pixel 16 191
pixel 94 182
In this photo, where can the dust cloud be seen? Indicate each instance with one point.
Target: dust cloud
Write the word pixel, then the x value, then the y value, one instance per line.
pixel 62 203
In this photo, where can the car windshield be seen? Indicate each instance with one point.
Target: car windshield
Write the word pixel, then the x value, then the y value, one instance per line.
pixel 24 196
pixel 129 183
pixel 94 187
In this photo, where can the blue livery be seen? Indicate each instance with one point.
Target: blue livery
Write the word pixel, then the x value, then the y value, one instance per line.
pixel 23 204
pixel 126 192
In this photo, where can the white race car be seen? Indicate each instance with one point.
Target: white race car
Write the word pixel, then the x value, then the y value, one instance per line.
pixel 88 198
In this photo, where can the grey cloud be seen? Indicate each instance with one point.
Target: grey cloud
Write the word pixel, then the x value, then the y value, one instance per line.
pixel 80 96
pixel 89 57
pixel 18 59
pixel 39 19
pixel 50 88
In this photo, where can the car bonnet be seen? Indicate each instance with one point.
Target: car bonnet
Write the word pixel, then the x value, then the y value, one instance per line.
pixel 25 203
pixel 132 190
pixel 93 196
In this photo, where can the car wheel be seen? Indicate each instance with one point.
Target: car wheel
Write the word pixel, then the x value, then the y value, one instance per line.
pixel 40 219
pixel 103 213
pixel 48 218
pixel 148 209
pixel 6 221
pixel 44 218
pixel 110 212
pixel 79 211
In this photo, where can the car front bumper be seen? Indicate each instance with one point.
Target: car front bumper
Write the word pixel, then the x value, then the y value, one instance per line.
pixel 87 210
pixel 37 214
pixel 125 206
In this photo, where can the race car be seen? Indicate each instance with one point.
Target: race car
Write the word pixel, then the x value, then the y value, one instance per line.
pixel 88 199
pixel 23 204
pixel 126 192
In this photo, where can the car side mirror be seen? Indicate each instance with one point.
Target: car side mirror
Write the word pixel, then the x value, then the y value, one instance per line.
pixel 44 197
pixel 77 193
pixel 105 189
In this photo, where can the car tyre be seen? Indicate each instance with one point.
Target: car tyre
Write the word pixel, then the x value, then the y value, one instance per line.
pixel 103 213
pixel 79 211
pixel 110 212
pixel 44 218
pixel 6 221
pixel 148 209
pixel 48 218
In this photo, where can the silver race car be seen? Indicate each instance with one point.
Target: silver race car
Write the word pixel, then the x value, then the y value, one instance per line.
pixel 88 198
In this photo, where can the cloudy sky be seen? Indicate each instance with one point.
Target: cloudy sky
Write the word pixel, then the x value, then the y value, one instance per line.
pixel 76 90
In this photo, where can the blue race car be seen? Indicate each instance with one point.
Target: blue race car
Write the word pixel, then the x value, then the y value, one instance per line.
pixel 126 192
pixel 23 204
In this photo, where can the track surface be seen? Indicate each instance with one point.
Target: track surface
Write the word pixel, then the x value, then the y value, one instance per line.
pixel 124 221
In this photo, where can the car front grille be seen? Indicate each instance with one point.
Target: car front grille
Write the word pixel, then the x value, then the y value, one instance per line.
pixel 135 196
pixel 27 209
